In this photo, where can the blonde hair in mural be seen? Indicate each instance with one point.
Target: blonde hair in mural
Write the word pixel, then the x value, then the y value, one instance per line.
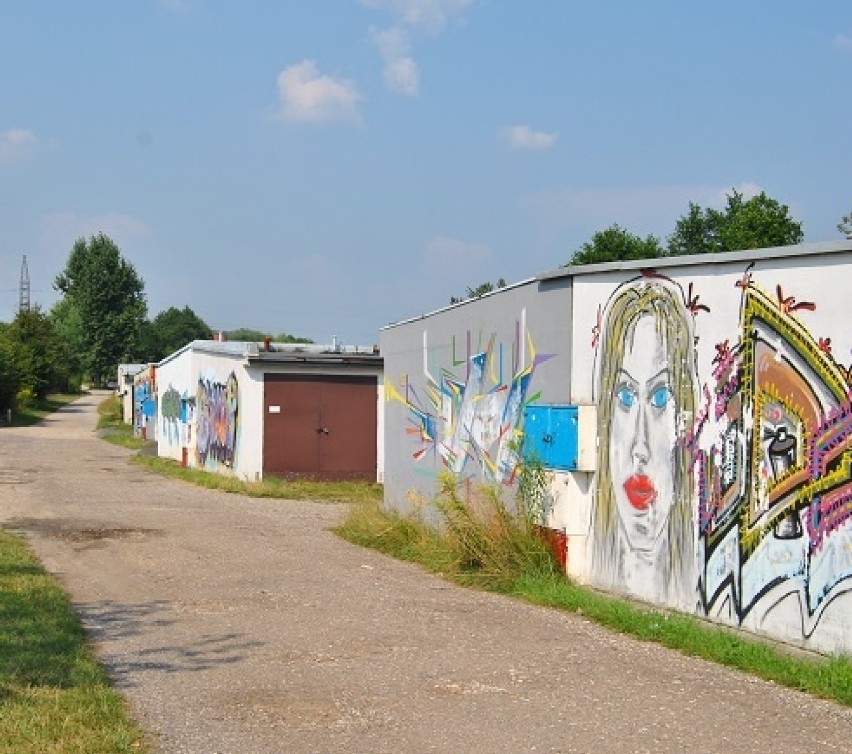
pixel 643 516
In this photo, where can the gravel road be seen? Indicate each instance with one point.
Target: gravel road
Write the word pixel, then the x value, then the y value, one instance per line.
pixel 244 626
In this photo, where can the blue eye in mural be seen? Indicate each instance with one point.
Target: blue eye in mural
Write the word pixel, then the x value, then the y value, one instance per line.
pixel 660 396
pixel 626 396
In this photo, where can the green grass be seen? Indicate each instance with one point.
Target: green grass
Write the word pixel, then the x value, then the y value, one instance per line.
pixel 438 548
pixel 33 414
pixel 271 487
pixel 54 696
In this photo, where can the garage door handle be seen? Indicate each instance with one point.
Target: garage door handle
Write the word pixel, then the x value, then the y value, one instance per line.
pixel 322 431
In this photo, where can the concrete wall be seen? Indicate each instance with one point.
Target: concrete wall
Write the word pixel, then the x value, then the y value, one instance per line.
pixel 456 383
pixel 206 399
pixel 724 462
pixel 722 475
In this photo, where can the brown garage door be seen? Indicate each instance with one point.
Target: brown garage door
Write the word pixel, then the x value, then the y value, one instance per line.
pixel 322 427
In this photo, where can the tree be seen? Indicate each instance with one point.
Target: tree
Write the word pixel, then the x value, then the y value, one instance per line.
pixel 614 244
pixel 756 223
pixel 110 298
pixel 248 334
pixel 845 225
pixel 479 291
pixel 9 378
pixel 172 329
pixel 68 326
pixel 36 354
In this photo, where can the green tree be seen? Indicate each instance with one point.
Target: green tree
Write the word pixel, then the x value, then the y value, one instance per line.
pixel 172 329
pixel 68 326
pixel 250 335
pixel 845 225
pixel 480 290
pixel 287 338
pixel 110 298
pixel 615 244
pixel 9 378
pixel 756 223
pixel 36 354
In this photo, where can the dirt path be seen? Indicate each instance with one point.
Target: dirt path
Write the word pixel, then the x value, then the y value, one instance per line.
pixel 243 626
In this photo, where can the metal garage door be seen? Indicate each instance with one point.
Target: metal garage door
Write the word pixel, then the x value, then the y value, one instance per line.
pixel 322 427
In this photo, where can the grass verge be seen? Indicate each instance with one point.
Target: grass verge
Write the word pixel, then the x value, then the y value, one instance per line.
pixel 54 696
pixel 271 487
pixel 114 430
pixel 35 413
pixel 438 548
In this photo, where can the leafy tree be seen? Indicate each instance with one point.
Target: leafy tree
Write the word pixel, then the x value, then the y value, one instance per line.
pixel 287 338
pixel 110 298
pixel 247 334
pixel 759 222
pixel 36 354
pixel 480 290
pixel 172 329
pixel 614 244
pixel 845 225
pixel 9 378
pixel 68 326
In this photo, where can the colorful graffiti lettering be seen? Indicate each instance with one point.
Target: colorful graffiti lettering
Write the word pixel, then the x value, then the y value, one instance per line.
pixel 473 421
pixel 775 509
pixel 218 416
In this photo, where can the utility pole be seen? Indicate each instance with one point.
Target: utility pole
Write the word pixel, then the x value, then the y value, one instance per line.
pixel 24 300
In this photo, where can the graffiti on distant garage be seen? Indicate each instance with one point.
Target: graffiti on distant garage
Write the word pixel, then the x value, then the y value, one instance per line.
pixel 469 418
pixel 775 484
pixel 217 411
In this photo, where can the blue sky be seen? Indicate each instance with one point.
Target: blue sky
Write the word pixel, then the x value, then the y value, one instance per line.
pixel 324 168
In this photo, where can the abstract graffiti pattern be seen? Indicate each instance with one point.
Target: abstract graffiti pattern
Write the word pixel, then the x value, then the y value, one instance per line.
pixel 474 420
pixel 217 407
pixel 775 500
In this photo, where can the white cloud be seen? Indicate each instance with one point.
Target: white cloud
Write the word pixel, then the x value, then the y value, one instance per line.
pixel 401 74
pixel 444 253
pixel 523 137
pixel 308 95
pixel 843 42
pixel 431 16
pixel 16 142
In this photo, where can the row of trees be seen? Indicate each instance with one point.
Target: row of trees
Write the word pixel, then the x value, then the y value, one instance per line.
pixel 759 222
pixel 100 322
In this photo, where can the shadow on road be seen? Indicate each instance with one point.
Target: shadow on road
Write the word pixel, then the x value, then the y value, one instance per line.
pixel 110 622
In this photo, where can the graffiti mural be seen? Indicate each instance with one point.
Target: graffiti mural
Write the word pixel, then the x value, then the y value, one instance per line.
pixel 775 502
pixel 642 517
pixel 145 402
pixel 728 490
pixel 469 418
pixel 217 411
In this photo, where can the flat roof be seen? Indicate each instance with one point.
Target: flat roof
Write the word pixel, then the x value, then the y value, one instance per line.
pixel 685 260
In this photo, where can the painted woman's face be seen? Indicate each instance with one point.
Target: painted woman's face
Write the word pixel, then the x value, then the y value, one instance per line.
pixel 642 437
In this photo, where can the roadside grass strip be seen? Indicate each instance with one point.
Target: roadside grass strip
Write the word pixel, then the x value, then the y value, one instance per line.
pixel 55 698
pixel 29 415
pixel 435 546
